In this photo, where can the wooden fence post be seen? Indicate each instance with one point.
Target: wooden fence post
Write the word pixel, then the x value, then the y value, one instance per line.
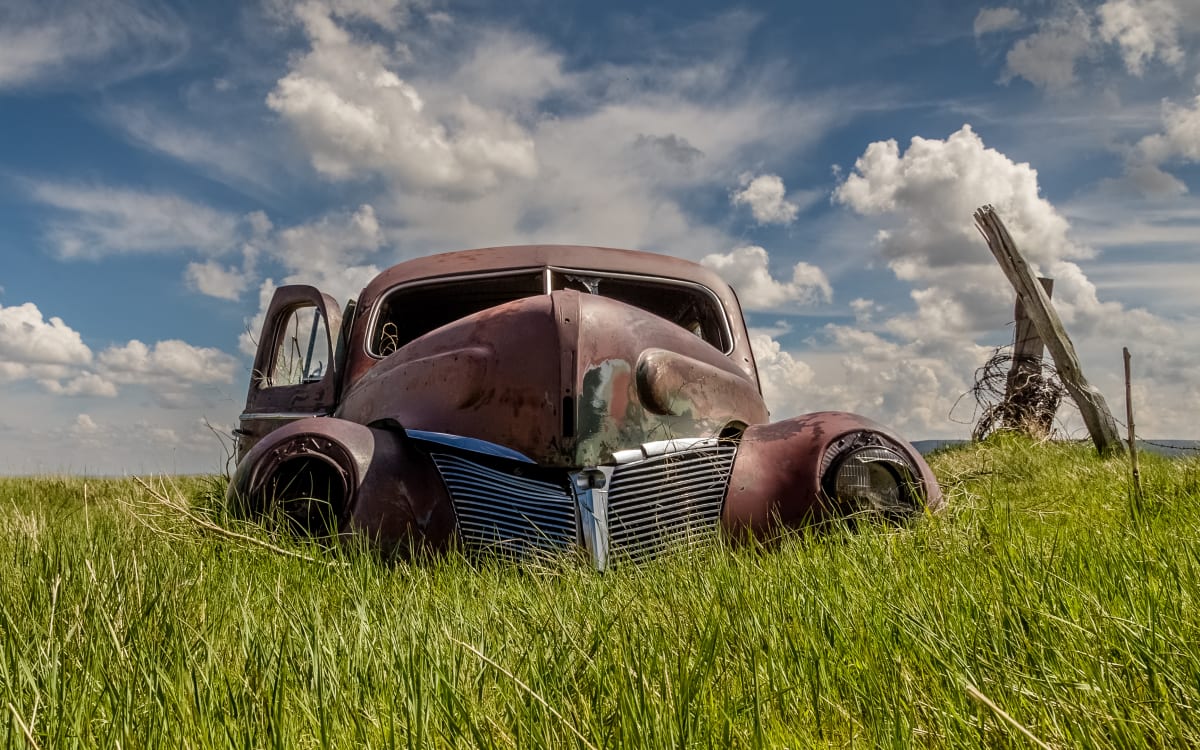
pixel 1090 401
pixel 1133 462
pixel 1025 379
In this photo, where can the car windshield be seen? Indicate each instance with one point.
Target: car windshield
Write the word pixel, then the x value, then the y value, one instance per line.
pixel 409 312
pixel 690 306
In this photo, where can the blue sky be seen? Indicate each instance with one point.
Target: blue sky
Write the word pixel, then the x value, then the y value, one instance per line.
pixel 162 165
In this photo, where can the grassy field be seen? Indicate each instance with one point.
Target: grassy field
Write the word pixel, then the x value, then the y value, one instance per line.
pixel 1042 607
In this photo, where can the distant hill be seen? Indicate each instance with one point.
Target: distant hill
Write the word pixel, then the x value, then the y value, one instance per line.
pixel 1161 447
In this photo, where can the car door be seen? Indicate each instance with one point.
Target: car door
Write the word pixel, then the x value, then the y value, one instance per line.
pixel 296 368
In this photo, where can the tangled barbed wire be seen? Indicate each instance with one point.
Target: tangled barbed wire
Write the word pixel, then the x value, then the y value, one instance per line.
pixel 1023 398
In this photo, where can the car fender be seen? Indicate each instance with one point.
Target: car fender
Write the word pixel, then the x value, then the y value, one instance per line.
pixel 776 481
pixel 384 487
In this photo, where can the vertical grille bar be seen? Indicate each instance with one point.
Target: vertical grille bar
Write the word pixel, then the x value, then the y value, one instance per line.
pixel 667 501
pixel 499 513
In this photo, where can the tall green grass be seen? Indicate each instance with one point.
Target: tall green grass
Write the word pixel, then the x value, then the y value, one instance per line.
pixel 1043 601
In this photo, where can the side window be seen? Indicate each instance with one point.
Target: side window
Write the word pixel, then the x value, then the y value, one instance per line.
pixel 302 351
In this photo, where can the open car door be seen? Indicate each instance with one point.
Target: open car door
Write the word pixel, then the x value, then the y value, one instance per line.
pixel 296 369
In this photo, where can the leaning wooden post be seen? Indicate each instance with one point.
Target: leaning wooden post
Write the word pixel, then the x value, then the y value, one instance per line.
pixel 1090 401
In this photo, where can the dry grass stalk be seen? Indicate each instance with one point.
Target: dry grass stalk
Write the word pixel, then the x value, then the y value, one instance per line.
pixel 179 508
pixel 974 693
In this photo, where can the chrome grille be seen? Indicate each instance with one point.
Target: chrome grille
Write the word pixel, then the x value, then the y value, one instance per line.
pixel 506 514
pixel 667 501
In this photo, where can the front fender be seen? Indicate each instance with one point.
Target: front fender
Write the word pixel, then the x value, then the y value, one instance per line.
pixel 777 477
pixel 374 481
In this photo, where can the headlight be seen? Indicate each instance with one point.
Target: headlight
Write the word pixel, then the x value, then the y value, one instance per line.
pixel 304 484
pixel 873 479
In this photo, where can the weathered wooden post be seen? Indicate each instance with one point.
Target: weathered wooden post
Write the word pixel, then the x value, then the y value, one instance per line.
pixel 1023 409
pixel 1090 401
pixel 1133 462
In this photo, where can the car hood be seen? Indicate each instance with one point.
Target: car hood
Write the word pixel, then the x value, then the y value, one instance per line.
pixel 565 379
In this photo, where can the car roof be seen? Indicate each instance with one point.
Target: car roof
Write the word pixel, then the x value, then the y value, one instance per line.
pixel 579 257
pixel 575 257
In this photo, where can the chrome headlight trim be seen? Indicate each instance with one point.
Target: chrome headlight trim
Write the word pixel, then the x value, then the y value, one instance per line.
pixel 866 472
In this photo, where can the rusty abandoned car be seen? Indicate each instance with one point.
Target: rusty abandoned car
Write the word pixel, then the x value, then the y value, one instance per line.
pixel 544 399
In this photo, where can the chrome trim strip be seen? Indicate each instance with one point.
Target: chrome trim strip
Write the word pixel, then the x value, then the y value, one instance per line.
pixel 472 445
pixel 677 445
pixel 626 456
pixel 280 415
pixel 592 501
pixel 662 447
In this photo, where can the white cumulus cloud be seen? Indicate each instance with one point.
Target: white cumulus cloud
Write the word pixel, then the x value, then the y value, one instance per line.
pixel 52 354
pixel 27 338
pixel 1047 58
pixel 767 198
pixel 83 384
pixel 932 190
pixel 935 184
pixel 747 270
pixel 216 280
pixel 170 362
pixel 357 117
pixel 84 425
pixel 786 381
pixel 1180 138
pixel 1179 141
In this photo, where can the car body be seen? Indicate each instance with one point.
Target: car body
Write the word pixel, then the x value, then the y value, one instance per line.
pixel 542 399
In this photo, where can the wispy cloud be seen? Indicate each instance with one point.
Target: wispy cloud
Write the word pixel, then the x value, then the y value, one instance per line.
pixel 1140 33
pixel 61 43
pixel 94 221
pixel 992 20
pixel 246 158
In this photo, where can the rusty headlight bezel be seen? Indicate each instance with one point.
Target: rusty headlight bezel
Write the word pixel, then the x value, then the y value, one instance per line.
pixel 865 474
